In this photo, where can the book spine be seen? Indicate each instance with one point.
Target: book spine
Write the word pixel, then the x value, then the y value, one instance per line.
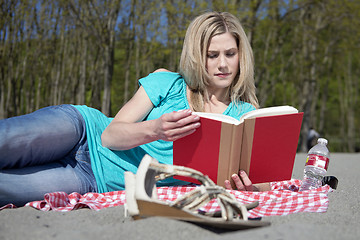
pixel 225 152
pixel 235 152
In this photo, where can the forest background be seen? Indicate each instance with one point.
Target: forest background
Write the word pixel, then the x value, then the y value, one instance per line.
pixel 93 52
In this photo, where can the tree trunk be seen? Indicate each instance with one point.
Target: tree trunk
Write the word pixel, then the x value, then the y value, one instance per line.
pixel 108 63
pixel 80 98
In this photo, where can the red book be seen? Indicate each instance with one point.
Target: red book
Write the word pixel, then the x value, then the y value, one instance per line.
pixel 263 143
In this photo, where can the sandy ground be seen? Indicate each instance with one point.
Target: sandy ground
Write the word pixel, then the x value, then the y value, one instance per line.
pixel 341 221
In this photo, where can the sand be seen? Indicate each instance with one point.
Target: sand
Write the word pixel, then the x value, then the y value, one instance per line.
pixel 341 221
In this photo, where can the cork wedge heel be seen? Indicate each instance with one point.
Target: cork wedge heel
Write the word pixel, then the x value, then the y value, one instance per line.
pixel 142 201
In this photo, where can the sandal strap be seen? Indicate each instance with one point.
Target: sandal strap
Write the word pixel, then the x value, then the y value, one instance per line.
pixel 166 171
pixel 195 199
pixel 230 208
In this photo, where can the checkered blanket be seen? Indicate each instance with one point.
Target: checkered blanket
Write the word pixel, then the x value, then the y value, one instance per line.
pixel 283 199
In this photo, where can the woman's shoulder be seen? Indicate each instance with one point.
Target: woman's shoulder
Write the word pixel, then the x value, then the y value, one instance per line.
pixel 161 70
pixel 164 80
pixel 162 75
pixel 161 84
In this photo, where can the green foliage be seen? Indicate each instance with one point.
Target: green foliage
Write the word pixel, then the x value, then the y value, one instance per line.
pixel 306 54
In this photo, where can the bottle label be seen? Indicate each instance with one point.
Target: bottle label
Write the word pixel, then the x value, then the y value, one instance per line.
pixel 317 161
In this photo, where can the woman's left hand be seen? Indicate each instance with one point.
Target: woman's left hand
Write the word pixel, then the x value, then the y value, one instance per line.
pixel 243 183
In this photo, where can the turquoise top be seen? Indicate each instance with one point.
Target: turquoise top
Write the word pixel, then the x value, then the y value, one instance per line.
pixel 167 92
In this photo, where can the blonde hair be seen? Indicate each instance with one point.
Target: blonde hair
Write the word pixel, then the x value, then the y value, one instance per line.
pixel 194 56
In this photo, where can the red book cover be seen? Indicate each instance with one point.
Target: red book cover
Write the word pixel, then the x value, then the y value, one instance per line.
pixel 269 147
pixel 265 147
pixel 200 150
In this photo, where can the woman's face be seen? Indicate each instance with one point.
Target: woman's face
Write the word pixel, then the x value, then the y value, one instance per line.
pixel 222 61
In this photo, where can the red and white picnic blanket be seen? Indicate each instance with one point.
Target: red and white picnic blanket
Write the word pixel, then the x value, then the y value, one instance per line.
pixel 283 199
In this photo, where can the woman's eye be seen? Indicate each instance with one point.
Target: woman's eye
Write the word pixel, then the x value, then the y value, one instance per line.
pixel 231 54
pixel 212 55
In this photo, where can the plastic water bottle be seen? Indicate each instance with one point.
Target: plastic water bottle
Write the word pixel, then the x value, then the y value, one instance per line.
pixel 316 165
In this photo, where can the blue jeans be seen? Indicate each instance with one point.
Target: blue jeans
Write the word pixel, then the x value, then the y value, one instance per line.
pixel 44 151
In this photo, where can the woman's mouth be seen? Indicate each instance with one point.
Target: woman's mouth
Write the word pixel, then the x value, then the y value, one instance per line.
pixel 222 75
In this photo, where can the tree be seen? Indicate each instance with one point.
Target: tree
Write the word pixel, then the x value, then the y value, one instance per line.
pixel 67 51
pixel 100 20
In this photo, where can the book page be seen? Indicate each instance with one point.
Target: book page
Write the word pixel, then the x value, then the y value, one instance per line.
pixel 269 111
pixel 218 117
pixel 261 112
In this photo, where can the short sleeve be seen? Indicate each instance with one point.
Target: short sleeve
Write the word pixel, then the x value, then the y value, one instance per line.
pixel 157 85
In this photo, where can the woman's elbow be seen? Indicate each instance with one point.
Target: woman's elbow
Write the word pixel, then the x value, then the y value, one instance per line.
pixel 105 139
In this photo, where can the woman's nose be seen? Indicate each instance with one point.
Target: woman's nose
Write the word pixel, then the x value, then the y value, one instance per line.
pixel 222 61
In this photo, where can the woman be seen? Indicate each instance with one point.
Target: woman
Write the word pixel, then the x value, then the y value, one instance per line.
pixel 78 149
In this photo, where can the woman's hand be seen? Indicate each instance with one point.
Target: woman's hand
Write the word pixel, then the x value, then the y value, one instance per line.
pixel 175 125
pixel 243 183
pixel 128 129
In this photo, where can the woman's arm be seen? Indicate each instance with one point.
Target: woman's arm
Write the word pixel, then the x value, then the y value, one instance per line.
pixel 127 130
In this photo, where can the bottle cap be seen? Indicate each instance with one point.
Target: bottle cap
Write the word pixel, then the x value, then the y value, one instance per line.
pixel 323 141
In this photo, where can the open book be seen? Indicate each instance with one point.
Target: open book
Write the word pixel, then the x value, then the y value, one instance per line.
pixel 263 143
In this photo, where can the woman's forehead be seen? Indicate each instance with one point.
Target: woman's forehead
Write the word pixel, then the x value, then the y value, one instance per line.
pixel 222 41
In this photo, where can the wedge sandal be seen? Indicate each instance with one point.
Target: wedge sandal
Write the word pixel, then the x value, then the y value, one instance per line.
pixel 142 201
